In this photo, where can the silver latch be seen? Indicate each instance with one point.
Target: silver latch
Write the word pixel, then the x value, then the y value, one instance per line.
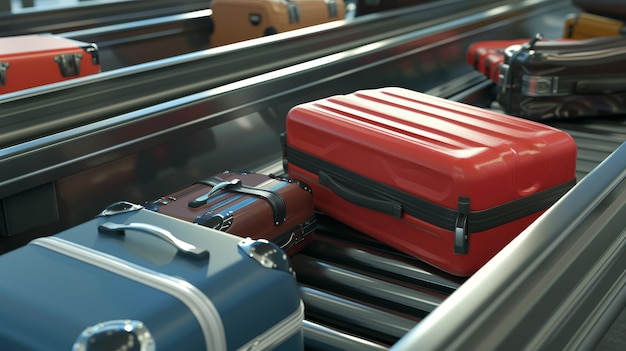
pixel 3 73
pixel 332 8
pixel 267 254
pixel 503 78
pixel 540 85
pixel 293 10
pixel 116 335
pixel 69 64
pixel 217 221
pixel 119 207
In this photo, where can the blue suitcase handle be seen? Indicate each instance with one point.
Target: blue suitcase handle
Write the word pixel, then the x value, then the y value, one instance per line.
pixel 159 232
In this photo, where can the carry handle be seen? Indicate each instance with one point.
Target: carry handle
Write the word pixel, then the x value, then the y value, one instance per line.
pixel 204 198
pixel 159 232
pixel 273 198
pixel 384 206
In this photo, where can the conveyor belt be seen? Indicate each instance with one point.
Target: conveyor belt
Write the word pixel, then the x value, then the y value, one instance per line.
pixel 122 102
pixel 137 150
pixel 38 112
pixel 151 151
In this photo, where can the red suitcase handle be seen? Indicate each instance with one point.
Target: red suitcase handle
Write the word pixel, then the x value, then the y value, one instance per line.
pixel 384 206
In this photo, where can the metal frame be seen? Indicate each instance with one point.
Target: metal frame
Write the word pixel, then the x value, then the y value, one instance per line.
pixel 557 286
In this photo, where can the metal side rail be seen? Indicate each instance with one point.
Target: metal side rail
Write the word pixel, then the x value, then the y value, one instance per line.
pixel 596 139
pixel 91 14
pixel 132 43
pixel 321 338
pixel 42 111
pixel 558 286
pixel 37 159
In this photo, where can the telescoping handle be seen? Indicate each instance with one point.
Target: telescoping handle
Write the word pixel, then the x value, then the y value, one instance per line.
pixel 159 232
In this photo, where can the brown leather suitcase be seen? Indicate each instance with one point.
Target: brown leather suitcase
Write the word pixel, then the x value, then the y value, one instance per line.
pixel 27 61
pixel 585 25
pixel 247 204
pixel 238 20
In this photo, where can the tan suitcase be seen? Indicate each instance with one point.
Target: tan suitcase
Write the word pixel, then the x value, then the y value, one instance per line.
pixel 238 20
pixel 585 25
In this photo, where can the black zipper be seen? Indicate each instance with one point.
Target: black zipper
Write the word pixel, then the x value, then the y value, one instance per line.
pixel 443 217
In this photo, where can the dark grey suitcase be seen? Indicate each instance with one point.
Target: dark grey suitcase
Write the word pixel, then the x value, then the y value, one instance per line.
pixel 133 279
pixel 547 79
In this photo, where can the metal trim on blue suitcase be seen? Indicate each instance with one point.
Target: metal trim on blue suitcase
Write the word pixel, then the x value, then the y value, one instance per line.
pixel 202 308
pixel 278 333
pixel 135 277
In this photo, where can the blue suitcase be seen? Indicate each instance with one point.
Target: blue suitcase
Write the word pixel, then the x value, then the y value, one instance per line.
pixel 133 279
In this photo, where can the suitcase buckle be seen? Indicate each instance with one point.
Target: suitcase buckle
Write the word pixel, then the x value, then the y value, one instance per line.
pixel 3 73
pixel 267 254
pixel 299 234
pixel 461 227
pixel 332 8
pixel 216 221
pixel 69 64
pixel 503 78
pixel 540 85
pixel 293 11
pixel 119 207
pixel 254 19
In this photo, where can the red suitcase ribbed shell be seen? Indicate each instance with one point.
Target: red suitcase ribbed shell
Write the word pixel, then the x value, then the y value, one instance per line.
pixel 433 149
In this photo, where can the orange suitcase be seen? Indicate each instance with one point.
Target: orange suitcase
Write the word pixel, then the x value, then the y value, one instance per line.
pixel 585 25
pixel 28 61
pixel 238 20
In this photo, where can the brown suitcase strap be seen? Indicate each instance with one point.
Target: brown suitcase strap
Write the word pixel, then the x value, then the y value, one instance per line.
pixel 274 199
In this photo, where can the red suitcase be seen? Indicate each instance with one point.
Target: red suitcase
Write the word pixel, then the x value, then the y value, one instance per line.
pixel 484 56
pixel 28 61
pixel 487 56
pixel 446 182
pixel 249 205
